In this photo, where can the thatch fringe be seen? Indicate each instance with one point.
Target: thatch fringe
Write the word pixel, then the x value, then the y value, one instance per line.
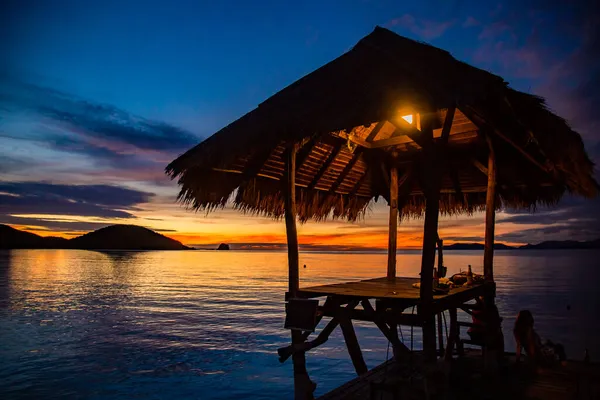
pixel 360 89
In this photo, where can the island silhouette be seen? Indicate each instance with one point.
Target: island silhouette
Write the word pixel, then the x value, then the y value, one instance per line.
pixel 114 237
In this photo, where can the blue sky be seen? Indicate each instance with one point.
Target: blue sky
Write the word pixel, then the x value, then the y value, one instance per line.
pixel 107 92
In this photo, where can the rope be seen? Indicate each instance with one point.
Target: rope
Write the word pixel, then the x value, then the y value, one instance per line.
pixel 411 331
pixel 412 327
pixel 445 325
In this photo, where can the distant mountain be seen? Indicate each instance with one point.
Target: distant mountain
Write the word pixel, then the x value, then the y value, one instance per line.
pixel 563 244
pixel 476 246
pixel 114 237
pixel 11 238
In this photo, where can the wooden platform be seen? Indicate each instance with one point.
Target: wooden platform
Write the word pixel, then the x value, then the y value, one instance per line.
pixel 576 380
pixel 399 290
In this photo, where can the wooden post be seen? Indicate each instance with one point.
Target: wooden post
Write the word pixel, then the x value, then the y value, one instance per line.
pixel 452 334
pixel 303 386
pixel 440 332
pixel 393 225
pixel 290 223
pixel 431 189
pixel 490 216
pixel 427 264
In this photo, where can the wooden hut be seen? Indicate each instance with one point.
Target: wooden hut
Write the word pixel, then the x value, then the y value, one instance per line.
pixel 397 119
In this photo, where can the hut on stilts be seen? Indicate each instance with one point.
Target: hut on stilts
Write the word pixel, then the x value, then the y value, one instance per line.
pixel 396 119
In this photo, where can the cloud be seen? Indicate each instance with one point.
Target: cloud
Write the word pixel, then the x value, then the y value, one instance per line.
pixel 102 201
pixel 49 123
pixel 574 218
pixel 423 28
pixel 95 120
pixel 553 49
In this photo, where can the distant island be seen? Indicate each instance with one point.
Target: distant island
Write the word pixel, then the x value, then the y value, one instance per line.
pixel 548 245
pixel 114 237
pixel 477 246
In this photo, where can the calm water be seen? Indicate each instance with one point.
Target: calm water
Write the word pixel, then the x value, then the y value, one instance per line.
pixel 155 325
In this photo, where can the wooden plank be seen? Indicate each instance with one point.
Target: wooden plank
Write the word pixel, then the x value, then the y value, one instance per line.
pixel 334 153
pixel 354 139
pixel 305 151
pixel 576 380
pixel 399 289
pixel 375 131
pixel 455 182
pixel 480 166
pixel 353 347
pixel 490 215
pixel 346 170
pixel 393 223
pixel 256 163
pixel 359 183
pixel 447 124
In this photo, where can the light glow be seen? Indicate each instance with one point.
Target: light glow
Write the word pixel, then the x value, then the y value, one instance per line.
pixel 408 118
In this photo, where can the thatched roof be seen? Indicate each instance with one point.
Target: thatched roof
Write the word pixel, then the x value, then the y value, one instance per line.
pixel 346 116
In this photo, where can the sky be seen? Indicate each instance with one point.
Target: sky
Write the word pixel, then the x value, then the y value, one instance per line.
pixel 97 97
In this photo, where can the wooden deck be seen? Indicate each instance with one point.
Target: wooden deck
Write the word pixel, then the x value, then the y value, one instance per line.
pixel 400 290
pixel 574 381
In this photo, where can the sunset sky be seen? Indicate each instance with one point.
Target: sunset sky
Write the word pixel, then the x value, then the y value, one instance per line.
pixel 96 97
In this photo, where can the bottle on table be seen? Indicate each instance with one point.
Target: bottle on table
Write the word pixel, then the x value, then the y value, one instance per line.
pixel 469 276
pixel 436 278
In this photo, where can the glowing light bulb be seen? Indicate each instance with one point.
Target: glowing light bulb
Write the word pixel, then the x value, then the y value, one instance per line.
pixel 408 118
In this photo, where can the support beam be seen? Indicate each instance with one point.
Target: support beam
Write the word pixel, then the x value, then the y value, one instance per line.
pixel 431 182
pixel 480 166
pixel 482 124
pixel 305 151
pixel 353 347
pixel 290 221
pixel 391 334
pixel 332 156
pixel 375 131
pixel 490 215
pixel 393 223
pixel 286 352
pixel 447 124
pixel 346 170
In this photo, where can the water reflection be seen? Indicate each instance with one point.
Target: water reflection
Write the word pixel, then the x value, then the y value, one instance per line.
pixel 176 324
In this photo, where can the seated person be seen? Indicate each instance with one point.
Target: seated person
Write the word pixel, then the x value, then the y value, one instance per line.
pixel 487 330
pixel 486 323
pixel 545 354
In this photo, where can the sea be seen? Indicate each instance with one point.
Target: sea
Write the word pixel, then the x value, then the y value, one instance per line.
pixel 207 324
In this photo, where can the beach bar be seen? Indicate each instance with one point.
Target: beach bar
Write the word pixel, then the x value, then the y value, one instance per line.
pixel 406 122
